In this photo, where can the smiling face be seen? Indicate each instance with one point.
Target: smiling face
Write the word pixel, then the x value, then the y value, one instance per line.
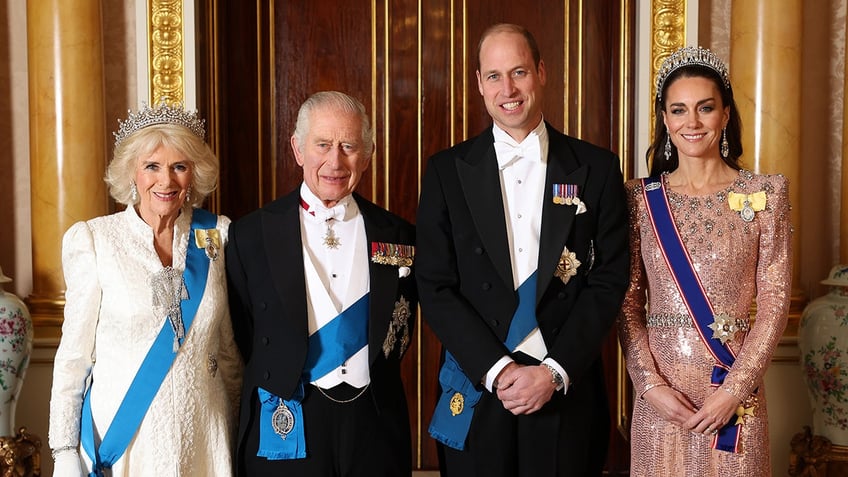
pixel 510 83
pixel 333 156
pixel 162 179
pixel 695 116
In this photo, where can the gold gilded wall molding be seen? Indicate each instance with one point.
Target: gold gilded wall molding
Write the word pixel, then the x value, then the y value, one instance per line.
pixel 668 32
pixel 165 39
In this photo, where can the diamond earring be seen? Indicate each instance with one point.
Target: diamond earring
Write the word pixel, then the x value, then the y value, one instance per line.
pixel 667 151
pixel 725 147
pixel 188 195
pixel 133 192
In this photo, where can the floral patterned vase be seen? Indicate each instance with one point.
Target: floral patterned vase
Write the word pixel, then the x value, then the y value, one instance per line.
pixel 16 335
pixel 823 340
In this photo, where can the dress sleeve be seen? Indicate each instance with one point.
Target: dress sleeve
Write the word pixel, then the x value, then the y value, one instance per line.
pixel 229 358
pixel 774 284
pixel 75 355
pixel 632 330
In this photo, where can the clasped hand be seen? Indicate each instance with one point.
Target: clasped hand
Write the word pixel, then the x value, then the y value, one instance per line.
pixel 524 389
pixel 673 406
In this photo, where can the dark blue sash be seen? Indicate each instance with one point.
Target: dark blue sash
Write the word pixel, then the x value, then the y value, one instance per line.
pixel 327 349
pixel 458 392
pixel 155 366
pixel 689 284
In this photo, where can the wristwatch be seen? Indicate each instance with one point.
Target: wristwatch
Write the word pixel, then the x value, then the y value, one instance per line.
pixel 556 378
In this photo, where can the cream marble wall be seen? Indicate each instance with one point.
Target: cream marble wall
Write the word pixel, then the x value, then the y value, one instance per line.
pixel 15 233
pixel 822 65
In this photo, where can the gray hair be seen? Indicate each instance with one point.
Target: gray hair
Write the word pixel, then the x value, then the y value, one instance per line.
pixel 338 101
pixel 121 171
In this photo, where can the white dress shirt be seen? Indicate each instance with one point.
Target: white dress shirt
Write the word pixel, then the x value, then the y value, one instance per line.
pixel 335 277
pixel 523 170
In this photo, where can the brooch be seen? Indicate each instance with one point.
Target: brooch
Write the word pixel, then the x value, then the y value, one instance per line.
pixel 209 240
pixel 394 254
pixel 747 204
pixel 568 194
pixel 567 266
pixel 399 324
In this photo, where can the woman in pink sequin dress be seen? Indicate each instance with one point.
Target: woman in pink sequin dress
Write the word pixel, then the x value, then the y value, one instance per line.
pixel 735 228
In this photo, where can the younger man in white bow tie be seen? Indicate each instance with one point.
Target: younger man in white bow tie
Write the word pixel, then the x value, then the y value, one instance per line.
pixel 522 235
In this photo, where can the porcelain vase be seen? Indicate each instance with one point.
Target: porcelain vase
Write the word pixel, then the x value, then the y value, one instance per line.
pixel 16 335
pixel 823 341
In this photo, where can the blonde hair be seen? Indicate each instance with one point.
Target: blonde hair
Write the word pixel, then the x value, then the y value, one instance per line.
pixel 204 164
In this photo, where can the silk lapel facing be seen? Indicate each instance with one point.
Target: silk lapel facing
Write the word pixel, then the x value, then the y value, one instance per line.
pixel 478 175
pixel 284 249
pixel 557 220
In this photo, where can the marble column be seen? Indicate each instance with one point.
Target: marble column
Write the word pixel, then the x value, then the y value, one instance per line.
pixel 67 139
pixel 843 210
pixel 765 68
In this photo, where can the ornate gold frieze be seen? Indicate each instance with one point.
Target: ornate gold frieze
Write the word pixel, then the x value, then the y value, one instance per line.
pixel 165 38
pixel 668 28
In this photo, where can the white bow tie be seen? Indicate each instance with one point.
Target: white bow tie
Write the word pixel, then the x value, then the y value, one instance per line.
pixel 336 212
pixel 508 152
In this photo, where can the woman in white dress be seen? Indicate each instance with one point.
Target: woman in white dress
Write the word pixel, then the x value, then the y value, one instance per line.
pixel 146 316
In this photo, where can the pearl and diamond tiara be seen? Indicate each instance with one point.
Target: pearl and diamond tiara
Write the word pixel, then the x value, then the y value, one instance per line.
pixel 691 56
pixel 161 114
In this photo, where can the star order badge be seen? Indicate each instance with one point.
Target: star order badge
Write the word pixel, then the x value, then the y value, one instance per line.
pixel 398 325
pixel 567 266
pixel 724 328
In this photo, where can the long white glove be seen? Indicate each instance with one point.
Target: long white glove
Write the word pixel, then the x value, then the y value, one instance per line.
pixel 68 464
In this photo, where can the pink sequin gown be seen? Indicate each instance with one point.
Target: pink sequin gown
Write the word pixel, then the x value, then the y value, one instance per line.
pixel 736 262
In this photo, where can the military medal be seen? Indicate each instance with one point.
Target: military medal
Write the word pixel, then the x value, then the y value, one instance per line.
pixel 394 254
pixel 457 404
pixel 282 421
pixel 568 194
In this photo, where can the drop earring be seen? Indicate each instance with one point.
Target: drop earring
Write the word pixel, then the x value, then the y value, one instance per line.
pixel 133 192
pixel 188 195
pixel 725 147
pixel 667 147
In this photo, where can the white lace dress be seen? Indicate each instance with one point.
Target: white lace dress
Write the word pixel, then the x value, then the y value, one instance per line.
pixel 110 324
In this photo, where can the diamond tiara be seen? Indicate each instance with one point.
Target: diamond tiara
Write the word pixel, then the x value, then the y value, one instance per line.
pixel 689 56
pixel 161 114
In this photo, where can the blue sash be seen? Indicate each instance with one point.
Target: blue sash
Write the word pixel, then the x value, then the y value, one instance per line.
pixel 692 291
pixel 327 349
pixel 153 369
pixel 452 417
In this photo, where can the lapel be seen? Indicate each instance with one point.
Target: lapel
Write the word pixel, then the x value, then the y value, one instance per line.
pixel 284 249
pixel 563 168
pixel 480 182
pixel 383 278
